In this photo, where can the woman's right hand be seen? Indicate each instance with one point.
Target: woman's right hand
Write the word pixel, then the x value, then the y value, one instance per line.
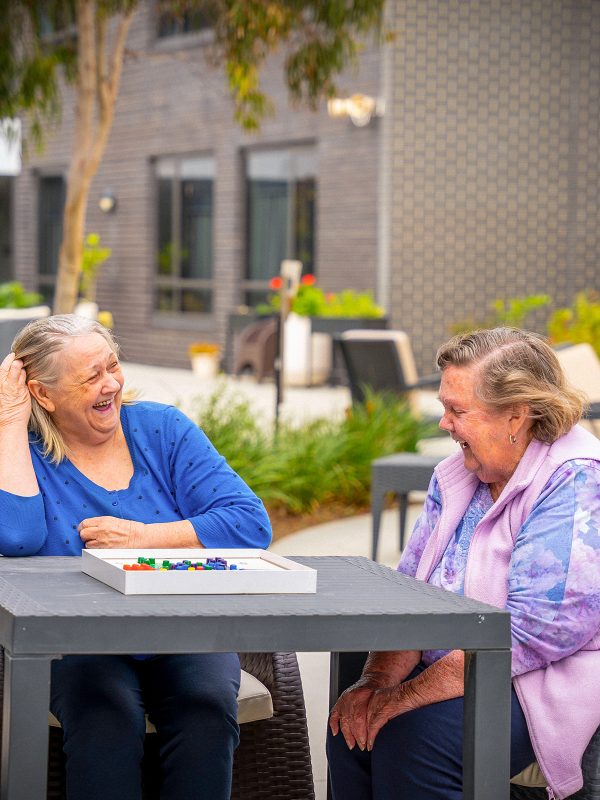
pixel 349 714
pixel 15 400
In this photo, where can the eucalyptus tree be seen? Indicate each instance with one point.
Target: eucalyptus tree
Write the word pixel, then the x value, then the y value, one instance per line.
pixel 45 44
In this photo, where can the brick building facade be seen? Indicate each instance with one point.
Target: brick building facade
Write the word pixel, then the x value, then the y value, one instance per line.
pixel 481 180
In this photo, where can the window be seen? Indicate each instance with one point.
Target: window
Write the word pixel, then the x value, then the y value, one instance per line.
pixel 57 22
pixel 177 21
pixel 51 203
pixel 185 235
pixel 281 192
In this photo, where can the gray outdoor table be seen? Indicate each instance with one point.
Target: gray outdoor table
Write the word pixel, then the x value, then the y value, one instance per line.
pixel 48 608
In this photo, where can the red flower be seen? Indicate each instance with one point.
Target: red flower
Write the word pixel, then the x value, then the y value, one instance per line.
pixel 308 280
pixel 276 283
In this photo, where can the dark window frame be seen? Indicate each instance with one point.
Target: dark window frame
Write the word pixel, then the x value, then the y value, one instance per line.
pixel 49 221
pixel 172 280
pixel 255 290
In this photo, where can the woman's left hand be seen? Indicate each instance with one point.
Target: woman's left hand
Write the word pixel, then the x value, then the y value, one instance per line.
pixel 387 703
pixel 111 532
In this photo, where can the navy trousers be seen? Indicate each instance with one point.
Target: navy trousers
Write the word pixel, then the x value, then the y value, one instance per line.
pixel 191 699
pixel 416 756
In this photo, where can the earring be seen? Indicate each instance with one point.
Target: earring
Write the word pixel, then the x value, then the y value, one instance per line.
pixel 512 439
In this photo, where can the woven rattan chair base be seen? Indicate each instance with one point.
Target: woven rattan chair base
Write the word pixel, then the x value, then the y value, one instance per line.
pixel 272 761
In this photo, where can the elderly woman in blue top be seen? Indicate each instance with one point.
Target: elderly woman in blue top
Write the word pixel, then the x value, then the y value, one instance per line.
pixel 79 468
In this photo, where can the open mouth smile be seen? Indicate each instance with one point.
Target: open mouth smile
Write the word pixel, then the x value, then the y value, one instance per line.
pixel 103 405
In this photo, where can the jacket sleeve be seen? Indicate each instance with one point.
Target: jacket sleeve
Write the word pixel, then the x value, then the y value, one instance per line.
pixel 23 528
pixel 553 585
pixel 422 531
pixel 224 511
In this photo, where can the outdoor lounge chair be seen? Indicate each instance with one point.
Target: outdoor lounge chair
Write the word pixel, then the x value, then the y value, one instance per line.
pixel 256 348
pixel 382 361
pixel 582 368
pixel 272 761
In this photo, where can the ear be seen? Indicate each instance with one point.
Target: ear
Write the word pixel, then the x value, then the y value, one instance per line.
pixel 40 392
pixel 519 419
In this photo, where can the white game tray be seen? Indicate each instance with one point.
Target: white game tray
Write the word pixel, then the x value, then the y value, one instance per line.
pixel 258 572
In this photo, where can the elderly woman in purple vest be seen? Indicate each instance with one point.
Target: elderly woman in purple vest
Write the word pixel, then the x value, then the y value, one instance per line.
pixel 512 519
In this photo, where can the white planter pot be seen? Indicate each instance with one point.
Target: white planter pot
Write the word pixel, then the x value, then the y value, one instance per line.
pixel 205 365
pixel 306 357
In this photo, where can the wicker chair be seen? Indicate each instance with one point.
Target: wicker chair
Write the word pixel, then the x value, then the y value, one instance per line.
pixel 272 761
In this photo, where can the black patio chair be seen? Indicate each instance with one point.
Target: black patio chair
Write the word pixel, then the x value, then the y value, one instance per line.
pixel 382 361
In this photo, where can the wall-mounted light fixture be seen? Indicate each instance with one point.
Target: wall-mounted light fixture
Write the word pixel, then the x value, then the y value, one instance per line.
pixel 359 107
pixel 107 201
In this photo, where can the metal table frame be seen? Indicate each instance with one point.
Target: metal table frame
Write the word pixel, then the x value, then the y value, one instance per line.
pixel 48 608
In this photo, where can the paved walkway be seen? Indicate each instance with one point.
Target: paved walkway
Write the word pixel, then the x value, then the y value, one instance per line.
pixel 349 536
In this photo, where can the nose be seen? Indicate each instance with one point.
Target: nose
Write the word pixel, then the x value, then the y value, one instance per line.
pixel 444 423
pixel 111 384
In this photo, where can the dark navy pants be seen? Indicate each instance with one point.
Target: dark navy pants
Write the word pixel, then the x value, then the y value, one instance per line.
pixel 416 756
pixel 191 699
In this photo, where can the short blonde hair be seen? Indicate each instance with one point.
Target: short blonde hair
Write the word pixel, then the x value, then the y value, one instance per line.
pixel 37 346
pixel 518 367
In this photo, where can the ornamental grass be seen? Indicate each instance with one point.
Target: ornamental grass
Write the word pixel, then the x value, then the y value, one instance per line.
pixel 311 464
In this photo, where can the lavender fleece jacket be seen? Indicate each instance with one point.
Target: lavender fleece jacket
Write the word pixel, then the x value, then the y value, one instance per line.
pixel 561 701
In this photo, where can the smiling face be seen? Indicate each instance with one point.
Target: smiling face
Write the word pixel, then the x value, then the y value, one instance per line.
pixel 85 401
pixel 482 432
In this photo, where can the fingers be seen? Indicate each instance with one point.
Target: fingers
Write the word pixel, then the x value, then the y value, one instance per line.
pixel 346 729
pixel 353 728
pixel 7 361
pixel 334 722
pixel 375 726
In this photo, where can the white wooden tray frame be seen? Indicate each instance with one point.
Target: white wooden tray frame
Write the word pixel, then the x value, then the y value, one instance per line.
pixel 288 577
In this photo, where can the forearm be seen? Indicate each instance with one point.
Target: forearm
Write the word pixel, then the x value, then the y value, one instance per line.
pixel 443 680
pixel 166 534
pixel 389 668
pixel 16 468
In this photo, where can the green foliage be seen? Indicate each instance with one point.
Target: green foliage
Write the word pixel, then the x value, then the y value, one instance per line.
pixel 320 38
pixel 316 462
pixel 580 323
pixel 93 257
pixel 31 61
pixel 512 313
pixel 312 301
pixel 13 295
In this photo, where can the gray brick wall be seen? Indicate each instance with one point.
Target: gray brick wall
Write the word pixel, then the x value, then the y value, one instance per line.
pixel 494 160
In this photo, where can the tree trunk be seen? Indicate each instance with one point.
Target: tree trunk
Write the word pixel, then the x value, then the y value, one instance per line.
pixel 97 89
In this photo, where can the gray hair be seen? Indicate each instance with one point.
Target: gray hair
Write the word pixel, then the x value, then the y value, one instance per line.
pixel 515 367
pixel 37 345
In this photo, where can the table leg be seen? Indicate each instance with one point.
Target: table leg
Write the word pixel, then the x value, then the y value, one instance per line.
pixel 25 727
pixel 486 747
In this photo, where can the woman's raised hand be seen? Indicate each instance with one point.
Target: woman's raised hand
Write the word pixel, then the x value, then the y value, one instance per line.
pixel 15 400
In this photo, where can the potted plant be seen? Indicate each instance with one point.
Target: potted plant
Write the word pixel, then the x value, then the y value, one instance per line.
pixel 204 357
pixel 315 315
